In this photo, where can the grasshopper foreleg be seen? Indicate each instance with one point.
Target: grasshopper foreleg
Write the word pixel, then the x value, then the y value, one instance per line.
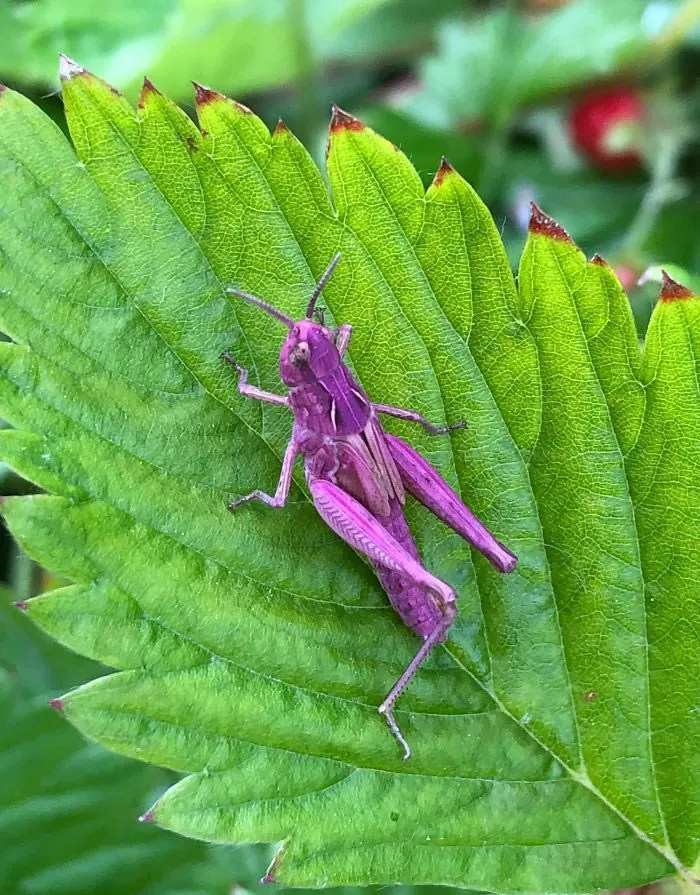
pixel 356 525
pixel 342 338
pixel 251 391
pixel 282 493
pixel 414 417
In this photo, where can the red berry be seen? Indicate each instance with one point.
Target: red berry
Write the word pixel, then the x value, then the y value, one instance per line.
pixel 604 127
pixel 627 275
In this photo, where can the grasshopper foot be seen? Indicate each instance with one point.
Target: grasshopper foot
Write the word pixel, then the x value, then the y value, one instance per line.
pixel 269 499
pixel 238 501
pixel 446 429
pixel 231 360
pixel 394 727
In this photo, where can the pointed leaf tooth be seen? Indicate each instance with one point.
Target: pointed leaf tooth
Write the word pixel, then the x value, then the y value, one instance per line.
pixel 68 68
pixel 57 705
pixel 672 290
pixel 204 95
pixel 147 89
pixel 442 172
pixel 341 120
pixel 545 225
pixel 281 128
pixel 270 874
pixel 599 261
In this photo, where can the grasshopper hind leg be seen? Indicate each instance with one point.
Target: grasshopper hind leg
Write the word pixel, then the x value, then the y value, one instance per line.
pixel 437 635
pixel 359 528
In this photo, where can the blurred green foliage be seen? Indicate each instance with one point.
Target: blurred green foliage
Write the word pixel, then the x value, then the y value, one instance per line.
pixel 490 85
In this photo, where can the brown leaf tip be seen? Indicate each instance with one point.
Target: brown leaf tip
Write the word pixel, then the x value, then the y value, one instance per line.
pixel 56 705
pixel 68 69
pixel 673 291
pixel 442 172
pixel 2 89
pixel 268 878
pixel 204 95
pixel 343 121
pixel 147 817
pixel 598 261
pixel 22 605
pixel 148 89
pixel 542 223
pixel 281 128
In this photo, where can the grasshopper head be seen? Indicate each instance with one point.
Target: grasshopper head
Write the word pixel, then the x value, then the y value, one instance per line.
pixel 308 353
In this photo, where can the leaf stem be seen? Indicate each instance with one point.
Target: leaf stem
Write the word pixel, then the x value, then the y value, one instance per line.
pixel 663 188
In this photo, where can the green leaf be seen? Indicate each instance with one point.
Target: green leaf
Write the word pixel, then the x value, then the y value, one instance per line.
pixel 487 67
pixel 555 738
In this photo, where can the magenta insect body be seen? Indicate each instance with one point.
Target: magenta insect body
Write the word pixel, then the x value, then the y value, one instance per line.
pixel 358 476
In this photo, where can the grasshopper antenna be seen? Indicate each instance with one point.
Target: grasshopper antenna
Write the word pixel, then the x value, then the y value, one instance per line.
pixel 320 285
pixel 288 322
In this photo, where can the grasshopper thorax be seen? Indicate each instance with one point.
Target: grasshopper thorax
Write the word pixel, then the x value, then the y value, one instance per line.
pixel 308 354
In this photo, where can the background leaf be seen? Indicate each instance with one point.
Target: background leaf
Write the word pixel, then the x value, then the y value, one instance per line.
pixel 240 45
pixel 485 70
pixel 253 649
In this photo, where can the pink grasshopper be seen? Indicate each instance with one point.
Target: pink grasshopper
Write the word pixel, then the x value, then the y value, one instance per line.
pixel 358 476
